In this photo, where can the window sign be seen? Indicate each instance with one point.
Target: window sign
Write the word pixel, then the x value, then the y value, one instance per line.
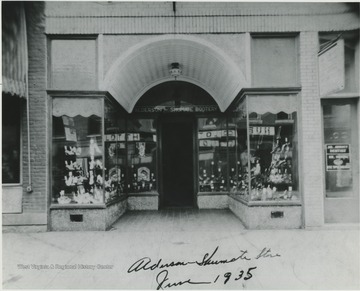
pixel 262 130
pixel 216 134
pixel 133 136
pixel 338 157
pixel 69 127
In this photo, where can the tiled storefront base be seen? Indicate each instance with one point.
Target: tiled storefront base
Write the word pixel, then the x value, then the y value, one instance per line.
pixel 212 201
pixel 82 219
pixel 143 202
pixel 253 217
pixel 265 217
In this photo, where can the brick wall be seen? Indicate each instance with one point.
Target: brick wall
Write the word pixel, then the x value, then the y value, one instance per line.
pixel 36 201
pixel 197 17
pixel 310 132
pixel 33 215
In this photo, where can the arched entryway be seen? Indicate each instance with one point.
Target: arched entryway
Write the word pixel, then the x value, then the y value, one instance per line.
pixel 147 64
pixel 177 109
pixel 174 104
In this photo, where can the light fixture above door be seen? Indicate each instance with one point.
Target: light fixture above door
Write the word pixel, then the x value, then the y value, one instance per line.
pixel 175 70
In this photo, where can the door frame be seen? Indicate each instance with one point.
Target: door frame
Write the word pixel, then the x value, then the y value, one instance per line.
pixel 332 202
pixel 177 118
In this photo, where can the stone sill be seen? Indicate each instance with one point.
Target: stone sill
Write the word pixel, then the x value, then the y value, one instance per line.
pixel 273 203
pixel 153 193
pixel 212 193
pixel 77 206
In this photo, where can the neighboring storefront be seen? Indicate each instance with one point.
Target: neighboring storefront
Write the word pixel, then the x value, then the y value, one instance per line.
pixel 146 109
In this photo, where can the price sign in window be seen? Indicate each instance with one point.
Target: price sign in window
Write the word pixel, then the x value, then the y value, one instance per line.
pixel 262 130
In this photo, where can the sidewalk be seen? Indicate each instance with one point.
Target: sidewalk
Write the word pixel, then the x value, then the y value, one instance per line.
pixel 174 246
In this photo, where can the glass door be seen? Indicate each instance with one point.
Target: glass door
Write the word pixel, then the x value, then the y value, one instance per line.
pixel 341 140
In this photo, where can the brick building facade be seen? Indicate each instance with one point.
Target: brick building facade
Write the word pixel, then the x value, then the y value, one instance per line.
pixel 236 81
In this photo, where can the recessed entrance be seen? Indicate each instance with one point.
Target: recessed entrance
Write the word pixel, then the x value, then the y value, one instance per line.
pixel 173 106
pixel 177 162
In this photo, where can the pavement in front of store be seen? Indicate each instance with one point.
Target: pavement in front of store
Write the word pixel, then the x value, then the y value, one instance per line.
pixel 189 249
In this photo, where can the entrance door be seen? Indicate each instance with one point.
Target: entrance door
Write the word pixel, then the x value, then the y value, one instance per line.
pixel 177 163
pixel 341 160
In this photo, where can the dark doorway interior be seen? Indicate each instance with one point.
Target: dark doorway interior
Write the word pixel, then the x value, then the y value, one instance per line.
pixel 177 163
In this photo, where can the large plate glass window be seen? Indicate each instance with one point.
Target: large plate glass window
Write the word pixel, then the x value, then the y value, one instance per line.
pixel 273 142
pixel 115 153
pixel 141 155
pixel 77 151
pixel 212 146
pixel 239 152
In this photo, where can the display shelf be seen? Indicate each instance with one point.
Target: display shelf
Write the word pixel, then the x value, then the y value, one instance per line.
pixel 212 193
pixel 77 206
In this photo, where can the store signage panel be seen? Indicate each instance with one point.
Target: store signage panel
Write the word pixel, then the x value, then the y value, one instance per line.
pixel 262 130
pixel 216 134
pixel 332 68
pixel 121 137
pixel 174 109
pixel 209 143
pixel 338 157
pixel 216 143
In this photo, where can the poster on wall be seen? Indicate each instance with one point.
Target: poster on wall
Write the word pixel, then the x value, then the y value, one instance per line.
pixel 338 157
pixel 69 126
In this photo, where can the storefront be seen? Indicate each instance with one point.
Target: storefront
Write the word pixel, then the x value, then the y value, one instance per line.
pixel 237 119
pixel 174 153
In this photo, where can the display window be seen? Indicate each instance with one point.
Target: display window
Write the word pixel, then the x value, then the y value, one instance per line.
pixel 115 153
pixel 212 150
pixel 239 152
pixel 264 161
pixel 100 155
pixel 77 151
pixel 141 139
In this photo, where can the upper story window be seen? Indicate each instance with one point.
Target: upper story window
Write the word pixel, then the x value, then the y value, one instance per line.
pixel 274 60
pixel 351 58
pixel 73 64
pixel 10 139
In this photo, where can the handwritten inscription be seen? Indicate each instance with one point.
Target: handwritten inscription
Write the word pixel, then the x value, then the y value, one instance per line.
pixel 164 281
pixel 162 278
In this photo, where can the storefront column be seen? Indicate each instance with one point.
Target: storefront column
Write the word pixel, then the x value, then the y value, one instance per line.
pixel 311 133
